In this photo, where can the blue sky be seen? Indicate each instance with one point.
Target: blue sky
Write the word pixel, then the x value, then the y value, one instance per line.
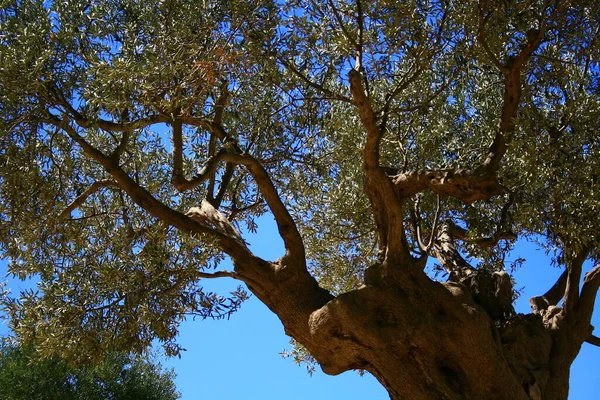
pixel 240 358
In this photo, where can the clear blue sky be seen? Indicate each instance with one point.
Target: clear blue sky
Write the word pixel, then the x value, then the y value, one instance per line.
pixel 238 359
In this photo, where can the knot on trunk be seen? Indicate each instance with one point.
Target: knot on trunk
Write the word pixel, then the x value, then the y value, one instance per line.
pixel 493 292
pixel 209 216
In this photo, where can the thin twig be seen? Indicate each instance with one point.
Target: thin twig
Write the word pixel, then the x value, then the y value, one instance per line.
pixel 84 196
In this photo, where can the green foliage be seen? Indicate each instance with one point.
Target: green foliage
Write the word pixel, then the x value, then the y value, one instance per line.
pixel 112 276
pixel 118 377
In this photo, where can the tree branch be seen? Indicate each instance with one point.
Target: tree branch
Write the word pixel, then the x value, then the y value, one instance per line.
pixel 511 70
pixel 225 180
pixel 360 22
pixel 539 304
pixel 420 65
pixel 387 208
pixel 120 127
pixel 589 290
pixel 210 190
pixel 481 183
pixel 208 215
pixel 594 340
pixel 178 179
pixel 402 85
pixel 285 223
pixel 574 268
pixel 417 226
pixel 84 196
pixel 124 140
pixel 218 274
pixel 220 104
pixel 314 85
pixel 444 249
pixel 235 210
pixel 340 21
pixel 481 37
pixel 463 234
pixel 231 246
pixel 465 185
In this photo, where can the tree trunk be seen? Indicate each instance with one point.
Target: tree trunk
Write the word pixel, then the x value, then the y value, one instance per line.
pixel 421 339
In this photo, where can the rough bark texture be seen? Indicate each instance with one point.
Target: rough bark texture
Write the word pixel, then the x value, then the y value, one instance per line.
pixel 426 340
pixel 420 338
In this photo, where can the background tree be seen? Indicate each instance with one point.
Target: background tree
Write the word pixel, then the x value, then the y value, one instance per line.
pixel 118 377
pixel 140 138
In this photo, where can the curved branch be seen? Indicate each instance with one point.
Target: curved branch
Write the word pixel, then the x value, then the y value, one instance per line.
pixel 574 268
pixel 387 208
pixel 285 223
pixel 444 249
pixel 539 304
pixel 231 246
pixel 512 96
pixel 178 179
pixel 465 185
pixel 481 183
pixel 591 282
pixel 417 226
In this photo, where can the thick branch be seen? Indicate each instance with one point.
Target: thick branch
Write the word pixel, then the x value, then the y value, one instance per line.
pixel 285 223
pixel 591 282
pixel 232 246
pixel 595 340
pixel 481 183
pixel 465 185
pixel 574 267
pixel 512 97
pixel 387 208
pixel 463 234
pixel 551 298
pixel 84 196
pixel 448 255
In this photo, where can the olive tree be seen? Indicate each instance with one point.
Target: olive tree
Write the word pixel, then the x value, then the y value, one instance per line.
pixel 401 147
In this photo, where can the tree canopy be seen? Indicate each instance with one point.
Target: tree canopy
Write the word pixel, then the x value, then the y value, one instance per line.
pixel 141 139
pixel 118 377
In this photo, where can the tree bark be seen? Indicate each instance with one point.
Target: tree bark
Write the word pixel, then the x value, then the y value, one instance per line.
pixel 423 339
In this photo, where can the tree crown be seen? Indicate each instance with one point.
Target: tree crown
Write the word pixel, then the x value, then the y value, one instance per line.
pixel 141 139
